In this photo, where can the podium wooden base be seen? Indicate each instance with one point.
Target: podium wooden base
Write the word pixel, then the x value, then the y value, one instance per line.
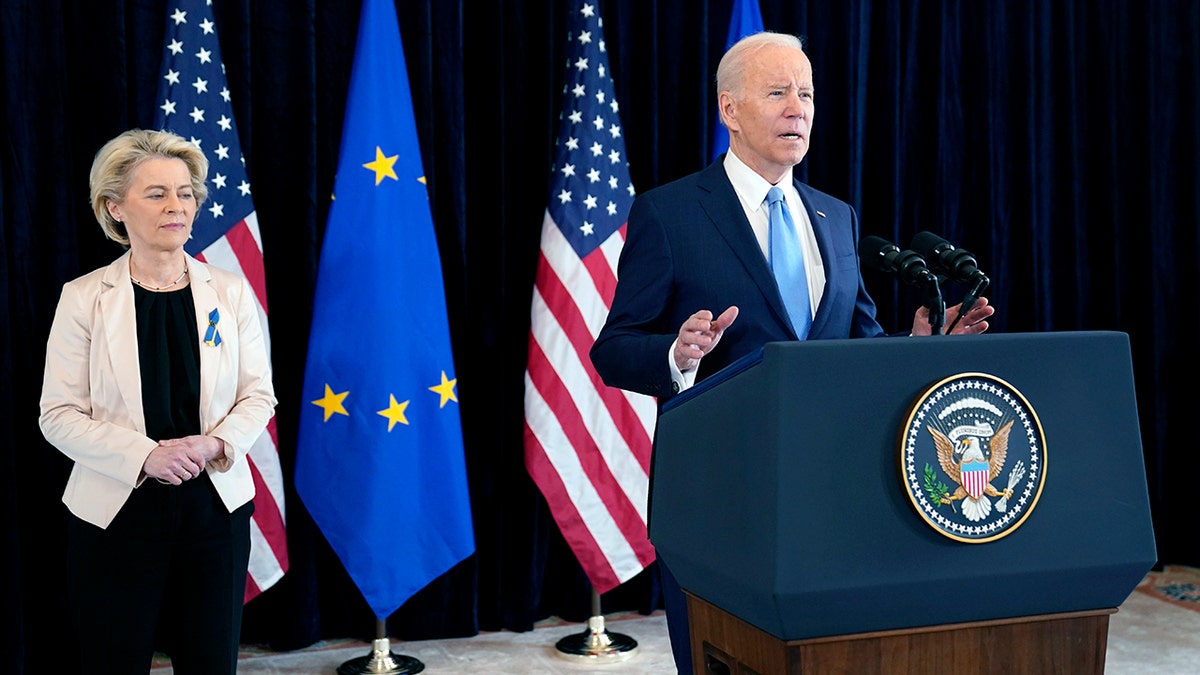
pixel 1073 642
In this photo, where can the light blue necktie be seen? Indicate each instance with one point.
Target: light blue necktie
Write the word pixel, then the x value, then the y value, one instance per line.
pixel 787 262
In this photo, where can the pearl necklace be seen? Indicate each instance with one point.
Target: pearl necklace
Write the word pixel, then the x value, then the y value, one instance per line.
pixel 159 288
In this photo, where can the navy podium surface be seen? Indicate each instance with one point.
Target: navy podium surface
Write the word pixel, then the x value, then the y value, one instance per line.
pixel 777 492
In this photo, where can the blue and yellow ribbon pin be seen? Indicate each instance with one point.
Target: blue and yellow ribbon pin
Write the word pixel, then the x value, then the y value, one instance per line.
pixel 212 337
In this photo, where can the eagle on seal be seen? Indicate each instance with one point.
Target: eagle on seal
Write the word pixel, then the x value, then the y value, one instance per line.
pixel 961 455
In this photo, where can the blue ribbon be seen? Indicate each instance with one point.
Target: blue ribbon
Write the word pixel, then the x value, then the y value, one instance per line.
pixel 212 338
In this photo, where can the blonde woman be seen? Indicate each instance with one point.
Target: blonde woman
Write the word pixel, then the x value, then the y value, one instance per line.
pixel 157 382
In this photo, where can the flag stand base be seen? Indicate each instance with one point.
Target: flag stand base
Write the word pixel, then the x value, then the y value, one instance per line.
pixel 597 644
pixel 382 659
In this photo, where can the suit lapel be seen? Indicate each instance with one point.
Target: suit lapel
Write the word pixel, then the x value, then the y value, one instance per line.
pixel 823 229
pixel 206 300
pixel 119 318
pixel 723 207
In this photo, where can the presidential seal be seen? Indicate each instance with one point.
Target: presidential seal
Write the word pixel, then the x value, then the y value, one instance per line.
pixel 973 457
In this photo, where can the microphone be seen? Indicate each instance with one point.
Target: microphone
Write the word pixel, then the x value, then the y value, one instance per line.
pixel 882 255
pixel 957 264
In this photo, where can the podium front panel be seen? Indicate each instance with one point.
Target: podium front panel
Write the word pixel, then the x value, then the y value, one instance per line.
pixel 777 496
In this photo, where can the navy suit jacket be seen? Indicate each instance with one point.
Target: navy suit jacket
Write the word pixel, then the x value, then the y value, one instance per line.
pixel 690 247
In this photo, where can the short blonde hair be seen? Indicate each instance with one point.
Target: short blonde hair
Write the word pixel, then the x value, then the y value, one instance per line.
pixel 731 71
pixel 112 171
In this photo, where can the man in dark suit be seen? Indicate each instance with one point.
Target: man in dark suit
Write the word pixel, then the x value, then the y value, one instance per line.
pixel 701 245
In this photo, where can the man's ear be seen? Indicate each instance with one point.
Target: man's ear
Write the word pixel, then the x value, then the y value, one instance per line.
pixel 727 107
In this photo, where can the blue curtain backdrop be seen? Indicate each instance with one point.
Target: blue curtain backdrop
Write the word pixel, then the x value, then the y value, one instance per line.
pixel 1058 141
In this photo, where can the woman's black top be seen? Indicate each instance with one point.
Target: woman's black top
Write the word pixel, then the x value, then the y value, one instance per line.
pixel 168 347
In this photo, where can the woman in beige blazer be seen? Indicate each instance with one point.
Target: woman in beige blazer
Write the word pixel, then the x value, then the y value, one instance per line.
pixel 157 383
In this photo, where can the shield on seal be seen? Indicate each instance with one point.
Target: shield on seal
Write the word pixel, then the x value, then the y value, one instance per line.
pixel 974 477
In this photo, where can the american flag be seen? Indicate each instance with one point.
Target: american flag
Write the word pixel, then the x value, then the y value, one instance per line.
pixel 587 446
pixel 195 104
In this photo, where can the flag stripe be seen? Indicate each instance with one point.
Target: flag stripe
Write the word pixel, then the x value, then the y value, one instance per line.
pixel 563 325
pixel 604 276
pixel 268 517
pixel 266 464
pixel 550 478
pixel 601 526
pixel 587 446
pixel 605 273
pixel 572 298
pixel 264 571
pixel 250 258
pixel 617 480
pixel 238 251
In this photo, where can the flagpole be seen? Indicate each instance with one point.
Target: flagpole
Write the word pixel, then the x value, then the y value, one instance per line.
pixel 382 659
pixel 596 643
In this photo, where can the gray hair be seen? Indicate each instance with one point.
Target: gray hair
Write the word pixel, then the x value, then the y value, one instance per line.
pixel 731 71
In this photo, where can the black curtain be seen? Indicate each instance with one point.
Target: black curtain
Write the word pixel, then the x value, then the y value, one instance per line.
pixel 1058 141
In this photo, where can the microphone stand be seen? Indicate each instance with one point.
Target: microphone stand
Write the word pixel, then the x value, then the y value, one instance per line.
pixel 935 303
pixel 981 284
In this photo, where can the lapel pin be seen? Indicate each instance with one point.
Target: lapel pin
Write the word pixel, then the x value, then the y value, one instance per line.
pixel 212 337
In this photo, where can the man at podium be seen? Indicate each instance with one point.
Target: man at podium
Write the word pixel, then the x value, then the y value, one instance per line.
pixel 720 239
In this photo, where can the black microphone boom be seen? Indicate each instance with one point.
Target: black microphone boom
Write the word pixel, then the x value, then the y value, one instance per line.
pixel 882 255
pixel 957 264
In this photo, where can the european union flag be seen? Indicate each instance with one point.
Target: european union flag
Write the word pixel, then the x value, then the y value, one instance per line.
pixel 745 19
pixel 380 463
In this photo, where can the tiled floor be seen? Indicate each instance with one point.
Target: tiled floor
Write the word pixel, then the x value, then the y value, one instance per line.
pixel 1145 636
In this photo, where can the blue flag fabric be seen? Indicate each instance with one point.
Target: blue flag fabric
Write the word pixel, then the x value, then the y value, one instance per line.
pixel 380 463
pixel 745 19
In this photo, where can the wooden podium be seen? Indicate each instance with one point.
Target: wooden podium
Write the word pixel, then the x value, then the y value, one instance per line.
pixel 789 526
pixel 1073 642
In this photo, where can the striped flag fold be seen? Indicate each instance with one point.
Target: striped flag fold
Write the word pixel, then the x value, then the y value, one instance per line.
pixel 194 102
pixel 587 445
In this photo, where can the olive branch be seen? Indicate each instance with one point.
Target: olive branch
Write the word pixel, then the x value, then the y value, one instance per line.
pixel 936 489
